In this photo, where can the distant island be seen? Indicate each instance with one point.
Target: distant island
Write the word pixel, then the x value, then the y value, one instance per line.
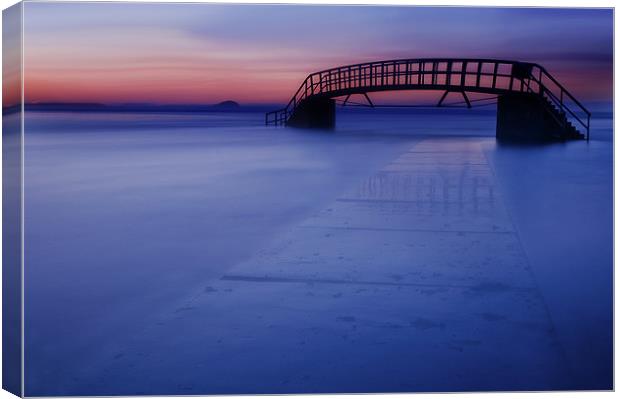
pixel 230 104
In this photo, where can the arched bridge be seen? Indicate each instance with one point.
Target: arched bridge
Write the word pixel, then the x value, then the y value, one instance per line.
pixel 530 102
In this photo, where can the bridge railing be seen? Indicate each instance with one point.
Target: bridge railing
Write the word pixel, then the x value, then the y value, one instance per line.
pixel 550 89
pixel 479 75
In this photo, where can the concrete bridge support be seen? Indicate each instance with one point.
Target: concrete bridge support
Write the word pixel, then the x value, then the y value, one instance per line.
pixel 523 117
pixel 314 113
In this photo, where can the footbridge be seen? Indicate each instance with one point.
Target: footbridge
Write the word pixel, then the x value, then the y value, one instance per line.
pixel 531 103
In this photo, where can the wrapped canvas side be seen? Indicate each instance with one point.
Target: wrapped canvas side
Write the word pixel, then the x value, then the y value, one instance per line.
pixel 12 211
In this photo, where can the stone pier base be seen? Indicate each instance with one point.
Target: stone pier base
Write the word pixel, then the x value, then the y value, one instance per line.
pixel 523 117
pixel 315 113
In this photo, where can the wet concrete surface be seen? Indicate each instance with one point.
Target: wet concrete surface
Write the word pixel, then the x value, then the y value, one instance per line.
pixel 415 280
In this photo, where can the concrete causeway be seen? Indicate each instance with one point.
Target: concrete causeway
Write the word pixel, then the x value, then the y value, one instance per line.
pixel 415 280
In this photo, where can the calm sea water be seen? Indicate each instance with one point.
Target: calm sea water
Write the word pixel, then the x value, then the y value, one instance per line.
pixel 127 212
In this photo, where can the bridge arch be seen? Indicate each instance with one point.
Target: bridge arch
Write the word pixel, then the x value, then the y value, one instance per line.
pixel 531 102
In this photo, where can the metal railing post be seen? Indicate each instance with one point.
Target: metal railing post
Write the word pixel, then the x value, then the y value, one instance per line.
pixel 406 73
pixel 420 73
pixel 359 78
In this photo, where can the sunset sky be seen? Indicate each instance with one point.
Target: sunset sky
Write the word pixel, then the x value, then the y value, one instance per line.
pixel 206 53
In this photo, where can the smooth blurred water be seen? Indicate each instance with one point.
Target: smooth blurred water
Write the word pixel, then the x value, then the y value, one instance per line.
pixel 125 212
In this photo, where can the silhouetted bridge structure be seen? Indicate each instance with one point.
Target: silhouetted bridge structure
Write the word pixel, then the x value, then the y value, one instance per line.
pixel 531 104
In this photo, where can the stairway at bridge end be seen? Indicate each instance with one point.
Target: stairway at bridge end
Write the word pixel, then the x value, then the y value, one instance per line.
pixel 314 113
pixel 528 117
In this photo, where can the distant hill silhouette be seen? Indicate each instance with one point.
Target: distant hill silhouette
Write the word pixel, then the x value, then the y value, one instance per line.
pixel 228 104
